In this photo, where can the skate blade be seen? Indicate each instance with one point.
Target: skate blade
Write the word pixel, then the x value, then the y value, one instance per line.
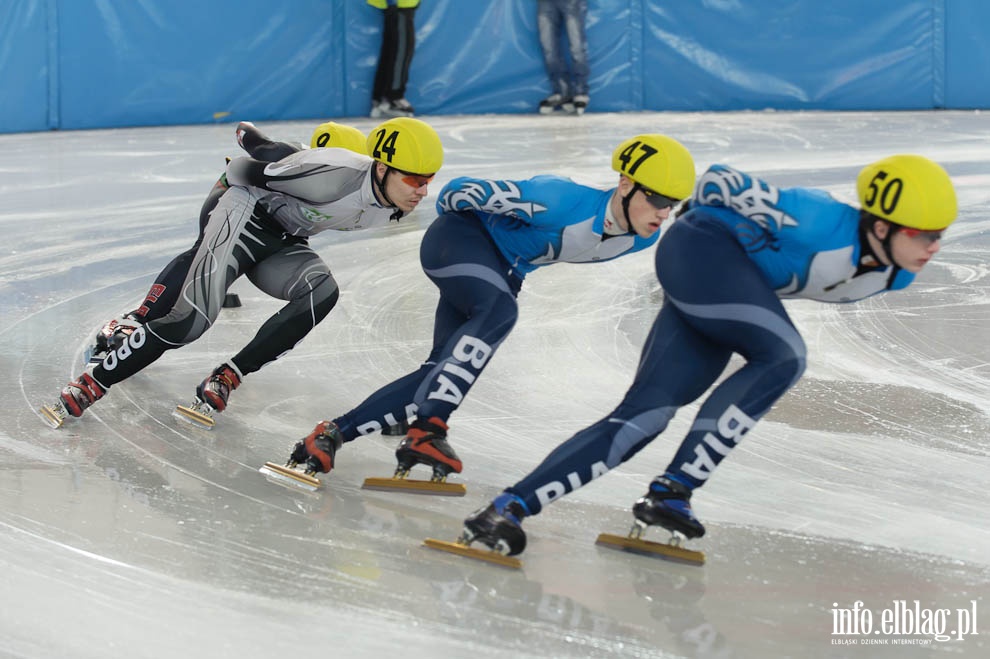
pixel 51 416
pixel 486 555
pixel 663 550
pixel 191 416
pixel 414 486
pixel 291 477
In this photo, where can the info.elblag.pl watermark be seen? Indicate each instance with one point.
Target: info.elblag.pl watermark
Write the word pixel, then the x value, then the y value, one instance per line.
pixel 903 623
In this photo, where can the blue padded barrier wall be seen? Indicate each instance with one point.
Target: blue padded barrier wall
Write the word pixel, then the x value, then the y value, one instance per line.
pixel 102 63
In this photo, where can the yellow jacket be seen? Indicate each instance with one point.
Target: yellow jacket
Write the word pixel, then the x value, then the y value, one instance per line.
pixel 403 4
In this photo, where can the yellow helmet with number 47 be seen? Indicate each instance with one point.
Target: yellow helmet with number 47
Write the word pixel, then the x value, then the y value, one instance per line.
pixel 408 145
pixel 658 163
pixel 332 134
pixel 908 190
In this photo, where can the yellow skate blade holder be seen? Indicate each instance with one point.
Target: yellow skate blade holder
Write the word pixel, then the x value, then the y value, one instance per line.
pixel 399 483
pixel 462 549
pixel 290 477
pixel 671 551
pixel 194 417
pixel 53 415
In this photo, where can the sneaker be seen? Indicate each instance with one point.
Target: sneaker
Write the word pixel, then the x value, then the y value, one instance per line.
pixel 580 103
pixel 667 504
pixel 80 394
pixel 426 443
pixel 318 448
pixel 112 335
pixel 551 103
pixel 215 390
pixel 499 526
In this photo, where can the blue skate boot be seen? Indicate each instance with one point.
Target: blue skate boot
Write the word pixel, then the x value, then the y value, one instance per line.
pixel 667 504
pixel 498 526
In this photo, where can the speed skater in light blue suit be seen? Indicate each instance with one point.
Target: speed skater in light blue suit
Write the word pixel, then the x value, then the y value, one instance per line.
pixel 489 235
pixel 724 266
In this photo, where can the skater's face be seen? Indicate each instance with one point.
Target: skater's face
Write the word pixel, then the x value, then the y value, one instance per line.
pixel 404 189
pixel 647 209
pixel 911 249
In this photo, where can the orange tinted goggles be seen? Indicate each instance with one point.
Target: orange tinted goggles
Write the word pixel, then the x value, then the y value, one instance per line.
pixel 415 180
pixel 928 237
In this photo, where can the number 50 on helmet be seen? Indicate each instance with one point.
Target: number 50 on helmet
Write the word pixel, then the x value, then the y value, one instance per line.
pixel 408 145
pixel 908 190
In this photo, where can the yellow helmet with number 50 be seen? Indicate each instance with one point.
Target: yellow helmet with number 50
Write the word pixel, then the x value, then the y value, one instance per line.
pixel 908 190
pixel 406 144
pixel 658 163
pixel 332 134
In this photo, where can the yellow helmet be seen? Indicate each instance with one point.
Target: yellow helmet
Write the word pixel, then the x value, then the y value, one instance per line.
pixel 657 162
pixel 332 134
pixel 908 190
pixel 407 144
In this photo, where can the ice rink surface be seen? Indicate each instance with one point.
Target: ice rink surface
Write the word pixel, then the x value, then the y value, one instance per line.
pixel 129 534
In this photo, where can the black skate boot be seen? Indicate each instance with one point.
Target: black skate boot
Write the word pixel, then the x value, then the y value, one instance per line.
pixel 426 443
pixel 317 449
pixel 667 504
pixel 111 336
pixel 498 526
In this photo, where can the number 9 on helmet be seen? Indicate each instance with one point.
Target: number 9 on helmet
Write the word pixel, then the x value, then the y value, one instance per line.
pixel 408 145
pixel 657 162
pixel 332 134
pixel 908 190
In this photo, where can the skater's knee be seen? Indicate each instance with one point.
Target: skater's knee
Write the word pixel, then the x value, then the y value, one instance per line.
pixel 319 292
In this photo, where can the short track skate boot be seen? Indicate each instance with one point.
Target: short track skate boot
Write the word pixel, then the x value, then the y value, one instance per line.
pixel 667 504
pixel 80 394
pixel 551 103
pixel 211 396
pixel 215 390
pixel 426 443
pixel 111 336
pixel 498 526
pixel 318 449
pixel 73 400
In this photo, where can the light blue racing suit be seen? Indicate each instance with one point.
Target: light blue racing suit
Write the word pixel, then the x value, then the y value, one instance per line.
pixel 490 234
pixel 723 266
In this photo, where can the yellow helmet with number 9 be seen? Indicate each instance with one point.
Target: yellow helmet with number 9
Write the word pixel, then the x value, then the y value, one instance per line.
pixel 908 190
pixel 658 163
pixel 332 134
pixel 407 144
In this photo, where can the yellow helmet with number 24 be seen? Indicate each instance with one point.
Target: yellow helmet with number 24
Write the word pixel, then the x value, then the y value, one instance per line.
pixel 908 190
pixel 407 144
pixel 657 162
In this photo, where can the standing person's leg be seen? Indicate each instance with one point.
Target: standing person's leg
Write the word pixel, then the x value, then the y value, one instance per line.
pixel 574 26
pixel 548 22
pixel 386 56
pixel 405 47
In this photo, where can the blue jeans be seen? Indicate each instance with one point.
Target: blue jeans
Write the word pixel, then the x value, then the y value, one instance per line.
pixel 552 17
